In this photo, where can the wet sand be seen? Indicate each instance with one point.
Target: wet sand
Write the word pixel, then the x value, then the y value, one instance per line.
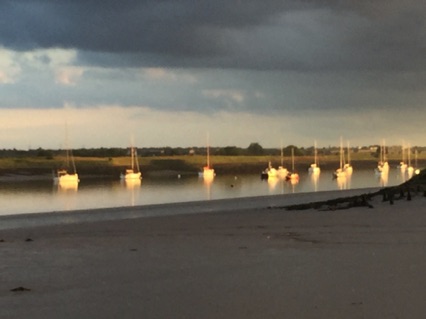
pixel 242 258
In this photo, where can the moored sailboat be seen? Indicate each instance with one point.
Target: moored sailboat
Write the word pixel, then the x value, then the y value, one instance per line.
pixel 67 175
pixel 347 167
pixel 208 172
pixel 282 171
pixel 402 165
pixel 132 173
pixel 382 166
pixel 292 176
pixel 314 168
pixel 269 172
pixel 340 172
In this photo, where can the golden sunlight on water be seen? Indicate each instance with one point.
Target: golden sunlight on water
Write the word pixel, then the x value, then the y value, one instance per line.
pixel 19 197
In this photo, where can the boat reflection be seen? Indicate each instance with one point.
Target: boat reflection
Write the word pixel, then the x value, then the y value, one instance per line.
pixel 67 186
pixel 314 181
pixel 272 183
pixel 384 179
pixel 342 182
pixel 207 182
pixel 131 183
pixel 133 186
pixel 293 183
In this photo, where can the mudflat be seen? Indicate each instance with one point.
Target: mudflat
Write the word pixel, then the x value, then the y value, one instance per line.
pixel 256 261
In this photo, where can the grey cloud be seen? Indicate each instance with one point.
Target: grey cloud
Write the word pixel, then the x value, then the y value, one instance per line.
pixel 254 34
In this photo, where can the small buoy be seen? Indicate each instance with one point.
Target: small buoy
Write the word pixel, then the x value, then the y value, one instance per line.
pixel 178 176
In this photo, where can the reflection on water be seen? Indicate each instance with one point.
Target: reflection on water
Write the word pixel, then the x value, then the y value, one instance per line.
pixel 67 186
pixel 132 186
pixel 314 181
pixel 341 182
pixel 207 182
pixel 272 183
pixel 131 183
pixel 19 197
pixel 384 179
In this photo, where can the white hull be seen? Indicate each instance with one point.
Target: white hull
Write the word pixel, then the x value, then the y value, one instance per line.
pixel 67 181
pixel 62 176
pixel 402 166
pixel 348 169
pixel 67 178
pixel 131 176
pixel 382 168
pixel 339 173
pixel 207 173
pixel 294 176
pixel 272 173
pixel 314 169
pixel 282 172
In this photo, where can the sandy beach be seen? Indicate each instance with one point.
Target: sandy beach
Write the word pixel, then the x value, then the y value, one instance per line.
pixel 241 258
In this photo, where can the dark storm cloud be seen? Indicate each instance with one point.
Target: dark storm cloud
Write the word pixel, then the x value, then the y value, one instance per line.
pixel 254 34
pixel 127 26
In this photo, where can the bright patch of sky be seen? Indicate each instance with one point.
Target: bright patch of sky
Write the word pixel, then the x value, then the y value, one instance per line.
pixel 250 71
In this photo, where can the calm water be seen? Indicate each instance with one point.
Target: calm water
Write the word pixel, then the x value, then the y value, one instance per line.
pixel 43 196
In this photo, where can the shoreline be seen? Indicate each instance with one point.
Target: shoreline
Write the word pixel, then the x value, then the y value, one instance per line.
pixel 245 259
pixel 170 209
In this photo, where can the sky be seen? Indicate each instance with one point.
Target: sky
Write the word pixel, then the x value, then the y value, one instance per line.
pixel 154 73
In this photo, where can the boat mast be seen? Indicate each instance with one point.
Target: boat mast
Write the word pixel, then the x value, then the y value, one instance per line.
pixel 136 160
pixel 384 151
pixel 132 156
pixel 349 156
pixel 315 153
pixel 208 151
pixel 415 157
pixel 69 155
pixel 403 152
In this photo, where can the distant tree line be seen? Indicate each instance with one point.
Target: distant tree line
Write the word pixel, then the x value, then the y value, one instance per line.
pixel 254 149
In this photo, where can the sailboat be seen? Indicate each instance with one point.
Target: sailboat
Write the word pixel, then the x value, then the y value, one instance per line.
pixel 402 165
pixel 340 172
pixel 208 172
pixel 282 171
pixel 269 172
pixel 292 176
pixel 67 175
pixel 314 168
pixel 132 173
pixel 383 166
pixel 347 167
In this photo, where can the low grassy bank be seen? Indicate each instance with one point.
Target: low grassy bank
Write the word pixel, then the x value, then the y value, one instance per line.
pixel 184 164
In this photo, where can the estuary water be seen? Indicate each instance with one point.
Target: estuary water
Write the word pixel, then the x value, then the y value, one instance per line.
pixel 43 196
